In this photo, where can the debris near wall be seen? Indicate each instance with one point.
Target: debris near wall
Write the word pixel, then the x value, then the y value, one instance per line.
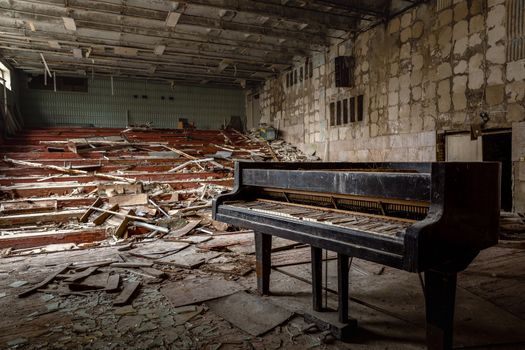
pixel 512 230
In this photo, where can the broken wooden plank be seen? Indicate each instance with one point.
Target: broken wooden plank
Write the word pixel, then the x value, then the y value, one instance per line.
pixel 129 200
pixel 189 258
pixel 196 291
pixel 99 220
pixel 132 264
pixel 129 291
pixel 175 234
pixel 116 213
pixel 113 283
pixel 38 239
pixel 123 227
pixel 45 282
pixel 98 202
pixel 61 216
pixel 81 275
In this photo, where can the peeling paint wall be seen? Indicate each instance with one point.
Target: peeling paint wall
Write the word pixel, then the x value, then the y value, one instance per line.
pixel 133 101
pixel 427 72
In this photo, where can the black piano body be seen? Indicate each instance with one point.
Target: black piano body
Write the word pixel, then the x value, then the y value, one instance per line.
pixel 418 217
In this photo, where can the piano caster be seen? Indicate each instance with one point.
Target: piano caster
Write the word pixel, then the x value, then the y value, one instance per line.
pixel 328 320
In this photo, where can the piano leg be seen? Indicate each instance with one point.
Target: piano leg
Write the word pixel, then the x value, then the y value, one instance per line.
pixel 440 295
pixel 342 286
pixel 317 278
pixel 263 264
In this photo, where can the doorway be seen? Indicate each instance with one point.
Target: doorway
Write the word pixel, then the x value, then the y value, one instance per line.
pixel 498 147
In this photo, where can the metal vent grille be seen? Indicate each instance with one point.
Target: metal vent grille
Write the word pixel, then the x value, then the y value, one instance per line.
pixel 515 30
pixel 443 4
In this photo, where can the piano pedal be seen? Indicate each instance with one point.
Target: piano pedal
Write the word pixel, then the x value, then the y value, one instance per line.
pixel 329 321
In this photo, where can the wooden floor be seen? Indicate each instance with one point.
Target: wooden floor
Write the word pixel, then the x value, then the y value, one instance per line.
pixel 387 303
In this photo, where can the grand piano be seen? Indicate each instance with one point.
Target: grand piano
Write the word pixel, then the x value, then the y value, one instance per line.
pixel 419 217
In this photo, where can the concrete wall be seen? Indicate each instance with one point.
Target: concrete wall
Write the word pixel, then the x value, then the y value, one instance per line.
pixel 429 71
pixel 209 108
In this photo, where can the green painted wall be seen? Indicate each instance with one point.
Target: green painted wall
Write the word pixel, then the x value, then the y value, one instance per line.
pixel 207 107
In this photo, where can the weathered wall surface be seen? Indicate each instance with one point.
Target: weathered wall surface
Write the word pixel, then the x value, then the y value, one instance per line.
pixel 427 72
pixel 209 108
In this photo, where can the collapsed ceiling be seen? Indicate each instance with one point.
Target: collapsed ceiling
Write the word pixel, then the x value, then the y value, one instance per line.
pixel 214 42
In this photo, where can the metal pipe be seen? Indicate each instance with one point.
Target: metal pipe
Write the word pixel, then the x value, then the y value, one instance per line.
pixel 45 64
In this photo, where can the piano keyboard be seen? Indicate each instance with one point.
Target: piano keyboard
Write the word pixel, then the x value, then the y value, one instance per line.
pixel 374 224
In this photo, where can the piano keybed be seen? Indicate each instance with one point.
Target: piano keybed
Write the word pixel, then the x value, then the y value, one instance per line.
pixel 373 224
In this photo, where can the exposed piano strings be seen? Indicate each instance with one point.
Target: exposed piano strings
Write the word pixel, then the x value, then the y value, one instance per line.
pixel 414 210
pixel 375 224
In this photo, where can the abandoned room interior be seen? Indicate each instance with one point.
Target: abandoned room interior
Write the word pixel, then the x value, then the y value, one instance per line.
pixel 249 174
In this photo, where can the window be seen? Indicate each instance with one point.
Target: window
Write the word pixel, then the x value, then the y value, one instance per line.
pixel 339 119
pixel 345 111
pixel 352 109
pixel 360 108
pixel 5 74
pixel 332 114
pixel 76 84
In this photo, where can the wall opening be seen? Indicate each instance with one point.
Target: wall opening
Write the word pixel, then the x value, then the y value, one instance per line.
pixel 497 147
pixel 5 75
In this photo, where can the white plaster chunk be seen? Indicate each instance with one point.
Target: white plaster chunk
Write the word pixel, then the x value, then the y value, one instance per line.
pixel 459 83
pixel 495 75
pixel 516 70
pixel 444 71
pixel 406 19
pixel 460 46
pixel 477 24
pixel 475 79
pixel 496 54
pixel 461 67
pixel 496 16
pixel 460 30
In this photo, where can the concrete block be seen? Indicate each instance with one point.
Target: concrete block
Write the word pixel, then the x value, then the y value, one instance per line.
pixel 496 16
pixel 496 54
pixel 518 142
pixel 476 24
pixel 417 29
pixel 460 46
pixel 445 17
pixel 429 123
pixel 405 35
pixel 416 93
pixel 476 7
pixel 404 111
pixel 495 75
pixel 416 77
pixel 404 96
pixel 444 71
pixel 393 98
pixel 516 70
pixel 475 79
pixel 459 83
pixel 515 113
pixel 515 91
pixel 394 25
pixel 393 84
pixel 406 20
pixel 460 11
pixel 496 35
pixel 459 100
pixel 393 113
pixel 404 53
pixel 374 130
pixel 417 62
pixel 494 95
pixel 474 63
pixel 460 30
pixel 445 37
